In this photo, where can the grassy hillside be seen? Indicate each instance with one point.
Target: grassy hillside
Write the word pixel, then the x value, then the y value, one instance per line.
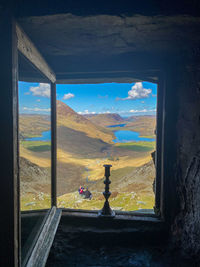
pixel 131 187
pixel 80 144
pixel 73 171
pixel 36 146
pixel 131 190
pixel 105 119
pixel 33 125
pixel 69 118
pixel 145 125
pixel 137 146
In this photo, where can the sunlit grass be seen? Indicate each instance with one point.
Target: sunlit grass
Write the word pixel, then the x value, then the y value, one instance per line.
pixel 31 201
pixel 28 135
pixel 36 146
pixel 122 201
pixel 148 136
pixel 142 146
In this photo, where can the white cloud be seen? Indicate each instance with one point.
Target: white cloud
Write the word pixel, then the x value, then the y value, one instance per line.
pixel 68 96
pixel 141 110
pixel 137 92
pixel 43 89
pixel 37 109
pixel 86 112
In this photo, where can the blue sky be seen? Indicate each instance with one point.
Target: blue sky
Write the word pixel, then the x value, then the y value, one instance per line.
pixel 124 98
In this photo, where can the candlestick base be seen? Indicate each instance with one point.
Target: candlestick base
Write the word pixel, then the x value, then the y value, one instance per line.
pixel 102 215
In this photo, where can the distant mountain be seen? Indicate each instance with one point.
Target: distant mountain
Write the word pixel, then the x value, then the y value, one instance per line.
pixel 67 117
pixel 105 119
pixel 136 118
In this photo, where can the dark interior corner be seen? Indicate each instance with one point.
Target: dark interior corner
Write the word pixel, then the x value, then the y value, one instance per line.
pixel 107 41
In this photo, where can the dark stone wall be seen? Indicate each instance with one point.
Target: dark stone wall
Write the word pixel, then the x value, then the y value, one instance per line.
pixel 186 226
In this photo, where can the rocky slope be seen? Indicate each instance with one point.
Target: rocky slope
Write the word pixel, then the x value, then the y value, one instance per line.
pixel 33 178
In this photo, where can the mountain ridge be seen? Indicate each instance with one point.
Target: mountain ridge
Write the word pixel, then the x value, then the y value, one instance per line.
pixel 105 119
pixel 67 117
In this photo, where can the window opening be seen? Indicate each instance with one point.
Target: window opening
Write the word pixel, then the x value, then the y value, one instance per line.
pixel 99 124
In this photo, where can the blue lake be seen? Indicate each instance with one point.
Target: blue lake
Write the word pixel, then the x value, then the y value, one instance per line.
pixel 122 136
pixel 128 136
pixel 46 136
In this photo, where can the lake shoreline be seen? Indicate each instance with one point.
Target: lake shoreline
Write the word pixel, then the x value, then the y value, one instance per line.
pixel 121 136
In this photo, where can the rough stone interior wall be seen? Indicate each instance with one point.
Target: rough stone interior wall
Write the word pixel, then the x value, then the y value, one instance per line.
pixel 186 227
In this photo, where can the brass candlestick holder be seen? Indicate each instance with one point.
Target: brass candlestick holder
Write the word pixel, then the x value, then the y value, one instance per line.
pixel 106 210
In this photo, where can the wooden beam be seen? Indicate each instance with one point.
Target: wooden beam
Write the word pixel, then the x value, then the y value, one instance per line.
pixel 169 202
pixel 27 218
pixel 53 146
pixel 159 131
pixel 9 167
pixel 28 49
pixel 41 250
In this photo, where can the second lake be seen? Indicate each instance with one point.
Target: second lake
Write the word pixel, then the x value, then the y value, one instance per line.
pixel 123 136
pixel 46 136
